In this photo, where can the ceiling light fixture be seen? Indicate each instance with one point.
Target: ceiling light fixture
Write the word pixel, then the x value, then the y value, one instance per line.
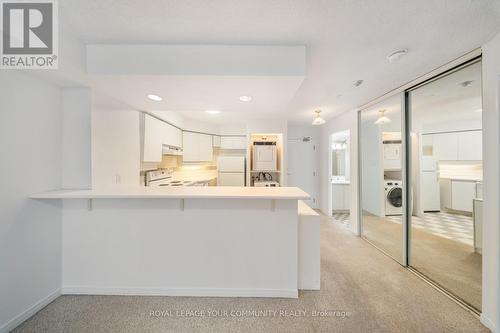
pixel 396 55
pixel 212 111
pixel 357 83
pixel 154 97
pixel 245 98
pixel 318 120
pixel 478 110
pixel 382 119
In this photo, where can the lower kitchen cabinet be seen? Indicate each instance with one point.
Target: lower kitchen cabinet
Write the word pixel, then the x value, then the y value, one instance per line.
pixel 341 196
pixel 458 194
pixel 462 195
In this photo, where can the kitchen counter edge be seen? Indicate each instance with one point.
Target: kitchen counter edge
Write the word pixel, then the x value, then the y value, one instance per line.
pixel 268 193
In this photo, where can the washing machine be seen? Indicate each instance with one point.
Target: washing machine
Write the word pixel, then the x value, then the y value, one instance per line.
pixel 393 197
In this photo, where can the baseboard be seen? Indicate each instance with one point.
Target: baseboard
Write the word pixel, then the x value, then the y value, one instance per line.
pixel 488 323
pixel 19 319
pixel 202 292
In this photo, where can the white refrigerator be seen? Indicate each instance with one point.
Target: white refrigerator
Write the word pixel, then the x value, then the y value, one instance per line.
pixel 430 192
pixel 231 171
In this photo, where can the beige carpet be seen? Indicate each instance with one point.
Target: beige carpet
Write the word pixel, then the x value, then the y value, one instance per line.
pixel 378 294
pixel 453 265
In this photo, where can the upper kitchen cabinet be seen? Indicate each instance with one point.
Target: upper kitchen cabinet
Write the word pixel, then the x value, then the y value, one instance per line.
pixel 216 141
pixel 197 147
pixel 156 134
pixel 445 146
pixel 233 142
pixel 457 146
pixel 470 146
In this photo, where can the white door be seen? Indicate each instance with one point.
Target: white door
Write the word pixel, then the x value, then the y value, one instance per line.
pixel 231 179
pixel 301 168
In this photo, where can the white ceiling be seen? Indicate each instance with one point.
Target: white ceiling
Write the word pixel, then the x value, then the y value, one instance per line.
pixel 346 41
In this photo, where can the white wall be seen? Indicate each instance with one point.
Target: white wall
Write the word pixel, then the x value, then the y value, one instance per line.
pixel 76 149
pixel 30 230
pixel 491 94
pixel 115 148
pixel 345 121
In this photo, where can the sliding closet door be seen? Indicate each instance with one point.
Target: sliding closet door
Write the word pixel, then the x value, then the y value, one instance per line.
pixel 446 174
pixel 381 162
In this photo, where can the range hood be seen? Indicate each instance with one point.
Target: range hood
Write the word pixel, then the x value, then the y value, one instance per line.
pixel 171 150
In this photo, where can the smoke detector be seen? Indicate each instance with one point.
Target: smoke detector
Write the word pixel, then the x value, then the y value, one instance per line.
pixel 357 83
pixel 396 55
pixel 467 83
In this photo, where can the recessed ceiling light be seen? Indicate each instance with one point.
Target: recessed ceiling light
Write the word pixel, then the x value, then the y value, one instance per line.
pixel 357 83
pixel 396 55
pixel 245 98
pixel 212 111
pixel 154 97
pixel 478 110
pixel 467 83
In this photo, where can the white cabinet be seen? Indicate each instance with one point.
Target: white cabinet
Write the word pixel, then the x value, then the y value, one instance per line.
pixel 216 141
pixel 156 134
pixel 445 146
pixel 457 146
pixel 153 139
pixel 172 135
pixel 341 197
pixel 233 142
pixel 470 146
pixel 462 195
pixel 197 147
pixel 206 152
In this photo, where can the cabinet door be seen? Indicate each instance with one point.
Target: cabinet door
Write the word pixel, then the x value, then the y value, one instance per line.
pixel 462 194
pixel 216 141
pixel 172 135
pixel 240 142
pixel 191 147
pixel 205 148
pixel 233 142
pixel 153 139
pixel 445 146
pixel 338 197
pixel 226 142
pixel 470 146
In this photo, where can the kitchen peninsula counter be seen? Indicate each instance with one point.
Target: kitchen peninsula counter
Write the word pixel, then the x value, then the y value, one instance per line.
pixel 187 241
pixel 180 192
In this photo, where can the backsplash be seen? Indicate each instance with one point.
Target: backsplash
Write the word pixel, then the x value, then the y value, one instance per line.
pixel 461 170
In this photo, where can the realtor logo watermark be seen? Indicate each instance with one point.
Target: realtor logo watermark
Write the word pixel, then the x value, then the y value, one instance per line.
pixel 29 34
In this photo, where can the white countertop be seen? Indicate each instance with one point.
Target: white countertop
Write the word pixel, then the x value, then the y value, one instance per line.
pixel 181 192
pixel 462 178
pixel 341 182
